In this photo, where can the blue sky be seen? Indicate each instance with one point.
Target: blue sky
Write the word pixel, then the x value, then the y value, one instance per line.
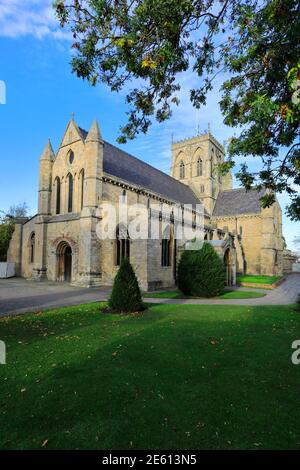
pixel 41 94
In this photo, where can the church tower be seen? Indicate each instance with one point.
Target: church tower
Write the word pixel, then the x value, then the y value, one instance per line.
pixel 194 163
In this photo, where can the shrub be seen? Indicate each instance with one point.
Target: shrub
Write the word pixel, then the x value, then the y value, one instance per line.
pixel 126 295
pixel 201 273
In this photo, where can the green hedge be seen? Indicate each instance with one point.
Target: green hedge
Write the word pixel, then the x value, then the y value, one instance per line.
pixel 201 273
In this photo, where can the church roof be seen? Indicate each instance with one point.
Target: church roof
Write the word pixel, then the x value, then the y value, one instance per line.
pixel 124 166
pixel 118 163
pixel 238 201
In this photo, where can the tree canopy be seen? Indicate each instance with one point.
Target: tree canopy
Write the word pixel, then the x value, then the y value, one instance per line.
pixel 7 226
pixel 252 45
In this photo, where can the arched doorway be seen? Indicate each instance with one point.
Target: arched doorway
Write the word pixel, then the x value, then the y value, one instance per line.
pixel 64 262
pixel 228 262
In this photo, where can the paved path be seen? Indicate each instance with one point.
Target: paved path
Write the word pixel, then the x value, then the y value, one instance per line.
pixel 21 296
pixel 285 294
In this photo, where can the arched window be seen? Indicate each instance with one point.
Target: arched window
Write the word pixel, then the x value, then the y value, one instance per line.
pixel 81 178
pixel 70 194
pixel 202 188
pixel 58 192
pixel 181 171
pixel 123 244
pixel 199 167
pixel 166 248
pixel 32 247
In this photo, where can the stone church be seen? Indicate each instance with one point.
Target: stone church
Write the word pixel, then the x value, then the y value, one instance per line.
pixel 60 242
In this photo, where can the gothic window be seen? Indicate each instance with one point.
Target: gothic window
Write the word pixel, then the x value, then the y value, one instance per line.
pixel 181 171
pixel 81 188
pixel 166 248
pixel 199 167
pixel 70 193
pixel 58 195
pixel 123 244
pixel 32 247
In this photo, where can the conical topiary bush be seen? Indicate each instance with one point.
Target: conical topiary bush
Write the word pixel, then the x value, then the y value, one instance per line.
pixel 126 295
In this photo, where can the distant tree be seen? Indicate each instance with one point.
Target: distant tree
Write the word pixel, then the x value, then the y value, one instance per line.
pixel 7 226
pixel 19 210
pixel 6 231
pixel 254 44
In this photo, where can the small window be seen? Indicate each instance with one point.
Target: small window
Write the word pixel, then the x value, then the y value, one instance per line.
pixel 202 188
pixel 241 230
pixel 32 248
pixel 181 171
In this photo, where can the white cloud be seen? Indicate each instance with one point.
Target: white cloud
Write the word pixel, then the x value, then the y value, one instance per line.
pixel 29 18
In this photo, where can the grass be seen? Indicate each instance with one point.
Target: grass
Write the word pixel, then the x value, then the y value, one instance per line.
pixel 234 294
pixel 180 376
pixel 258 279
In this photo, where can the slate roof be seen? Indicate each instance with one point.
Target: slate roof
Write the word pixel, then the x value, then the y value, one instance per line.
pixel 83 133
pixel 124 166
pixel 118 163
pixel 238 201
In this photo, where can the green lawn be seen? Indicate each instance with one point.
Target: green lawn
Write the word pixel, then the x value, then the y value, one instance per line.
pixel 174 376
pixel 238 294
pixel 258 279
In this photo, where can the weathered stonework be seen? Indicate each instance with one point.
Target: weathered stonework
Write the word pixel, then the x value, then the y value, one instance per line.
pixel 73 186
